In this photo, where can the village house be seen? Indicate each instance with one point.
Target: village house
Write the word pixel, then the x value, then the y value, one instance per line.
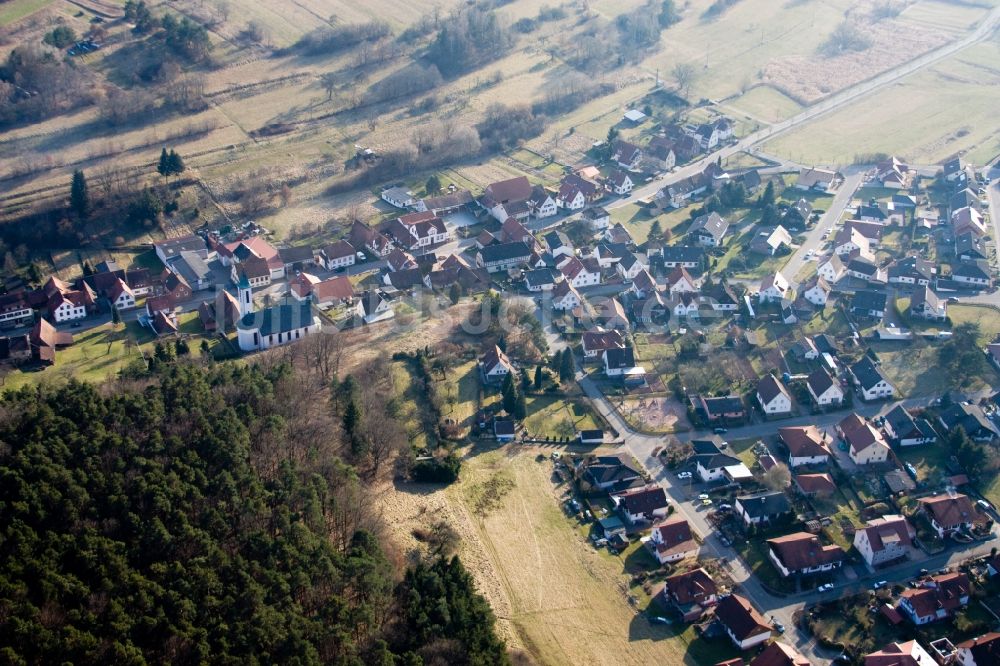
pixel 727 408
pixel 66 303
pixel 620 362
pixel 372 306
pixel 363 236
pixel 709 230
pixel 565 297
pixel 937 598
pixel 43 341
pixel 819 180
pixel 711 465
pixel 541 279
pixel 559 244
pixel 806 445
pixel 884 539
pixel 494 366
pixel 832 269
pixel 682 256
pixel 910 653
pixel 580 272
pixel 400 197
pixel 690 593
pixel 597 218
pixel 949 513
pixel 815 484
pixel 671 540
pixel 824 389
pixel 678 194
pixel 970 418
pixel 762 508
pixel 255 251
pixel 337 255
pixel 773 397
pixel 969 220
pixel 659 154
pixel 172 247
pixel 445 203
pixel 870 379
pixel 969 247
pixel 796 216
pixel 802 553
pixel 504 430
pixel 619 235
pixel 418 230
pixel 721 297
pixel 974 274
pixel 626 155
pixel 745 626
pixel 642 505
pixel 611 473
pixel 770 241
pixel 503 256
pixel 774 287
pixel 866 446
pixel 517 198
pixel 631 265
pixel 619 182
pixel 905 430
pixel 911 271
pixel 569 197
pixel 595 343
pixel 925 304
pixel 979 651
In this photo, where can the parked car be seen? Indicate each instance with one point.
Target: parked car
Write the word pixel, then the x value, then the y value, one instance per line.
pixel 825 587
pixel 720 431
pixel 924 572
pixel 703 496
pixel 684 475
pixel 706 502
pixel 984 505
pixel 779 628
pixel 725 507
pixel 879 585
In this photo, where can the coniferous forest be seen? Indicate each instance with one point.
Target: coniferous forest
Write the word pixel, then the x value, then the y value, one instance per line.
pixel 182 520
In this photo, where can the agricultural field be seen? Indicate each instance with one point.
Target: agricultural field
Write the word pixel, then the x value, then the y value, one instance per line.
pixel 555 596
pixel 924 118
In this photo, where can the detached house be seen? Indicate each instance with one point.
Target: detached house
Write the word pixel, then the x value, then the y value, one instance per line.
pixel 979 651
pixel 609 473
pixel 619 182
pixel 690 593
pixel 870 379
pixel 832 269
pixel 745 626
pixel 642 505
pixel 884 539
pixel 912 270
pixel 709 230
pixel 970 418
pixel 936 599
pixel 910 653
pixel 774 287
pixel 762 508
pixel 803 553
pixel 671 540
pixel 626 155
pixel 494 366
pixel 925 304
pixel 949 513
pixel 595 343
pixel 806 445
pixel 906 430
pixel 682 256
pixel 503 256
pixel 819 180
pixel 866 446
pixel 597 218
pixel 824 390
pixel 337 255
pixel 631 265
pixel 565 297
pixel 975 274
pixel 679 281
pixel 773 397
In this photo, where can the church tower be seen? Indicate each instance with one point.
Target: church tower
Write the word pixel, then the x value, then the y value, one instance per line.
pixel 245 294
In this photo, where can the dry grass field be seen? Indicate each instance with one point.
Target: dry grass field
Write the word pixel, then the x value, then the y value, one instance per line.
pixel 554 594
pixel 936 113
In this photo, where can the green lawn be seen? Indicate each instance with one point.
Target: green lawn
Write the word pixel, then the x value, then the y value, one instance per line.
pixel 754 553
pixel 555 416
pixel 743 449
pixel 929 459
pixel 987 318
pixel 461 393
pixel 15 11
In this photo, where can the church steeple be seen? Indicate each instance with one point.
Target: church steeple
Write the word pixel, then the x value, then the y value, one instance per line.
pixel 245 294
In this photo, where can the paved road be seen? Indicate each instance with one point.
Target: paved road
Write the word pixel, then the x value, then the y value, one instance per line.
pixel 828 105
pixel 829 219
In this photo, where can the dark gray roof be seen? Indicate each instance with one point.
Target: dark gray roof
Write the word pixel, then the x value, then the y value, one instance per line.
pixel 172 247
pixel 819 381
pixel 295 255
pixel 712 225
pixel 279 318
pixel 970 417
pixel 620 358
pixel 867 373
pixel 765 504
pixel 972 269
pixel 715 460
pixel 505 252
pixel 682 253
pixel 968 244
pixel 541 276
pixel 869 300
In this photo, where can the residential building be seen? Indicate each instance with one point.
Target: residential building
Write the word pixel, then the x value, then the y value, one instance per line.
pixel 541 279
pixel 728 408
pixel 709 230
pixel 832 269
pixel 619 182
pixel 796 217
pixel 618 362
pixel 172 247
pixel 770 241
pixel 774 287
pixel 762 508
pixel 780 654
pixel 815 484
pixel 631 265
pixel 975 274
pixel 597 218
pixel 504 256
pixel 866 446
pixel 595 343
pixel 679 281
pixel 871 381
pixel 979 651
pixel 937 598
pixel 611 473
pixel 773 397
pixel 912 271
pixel 682 256
pixel 802 553
pixel 363 236
pixel 690 593
pixel 494 365
pixel 884 539
pixel 626 155
pixel 189 265
pixel 400 197
pixel 671 540
pixel 910 653
pixel 580 272
pixel 970 418
pixel 869 304
pixel 337 255
pixel 905 430
pixel 642 505
pixel 824 389
pixel 949 513
pixel 373 306
pixel 817 291
pixel 806 445
pixel 820 180
pixel 745 626
pixel 925 304
pixel 711 465
pixel 15 310
pixel 565 297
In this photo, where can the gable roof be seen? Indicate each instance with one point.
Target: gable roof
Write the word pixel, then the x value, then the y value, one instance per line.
pixel 819 381
pixel 741 617
pixel 643 501
pixel 674 536
pixel 946 594
pixel 691 586
pixel 950 511
pixel 888 530
pixel 801 550
pixel 495 357
pixel 859 433
pixel 601 340
pixel 712 225
pixel 867 373
pixel 779 654
pixel 761 505
pixel 804 442
pixel 770 387
pixel 984 649
pixel 910 653
pixel 815 483
pixel 610 469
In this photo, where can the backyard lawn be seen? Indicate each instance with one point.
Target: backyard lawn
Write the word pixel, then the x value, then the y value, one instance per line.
pixel 555 416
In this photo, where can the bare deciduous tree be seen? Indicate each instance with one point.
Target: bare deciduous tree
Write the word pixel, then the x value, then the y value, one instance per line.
pixel 685 74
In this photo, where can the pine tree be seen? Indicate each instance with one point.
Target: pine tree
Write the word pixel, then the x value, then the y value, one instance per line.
pixel 116 317
pixel 509 393
pixel 538 377
pixel 454 293
pixel 502 344
pixel 767 198
pixel 655 230
pixel 520 407
pixel 433 184
pixel 79 198
pixel 175 165
pixel 352 416
pixel 163 168
pixel 567 367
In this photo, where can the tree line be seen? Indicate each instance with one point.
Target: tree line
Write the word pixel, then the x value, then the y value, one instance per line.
pixel 201 514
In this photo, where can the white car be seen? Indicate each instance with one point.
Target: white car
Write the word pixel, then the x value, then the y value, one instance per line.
pixel 703 496
pixel 684 475
pixel 826 587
